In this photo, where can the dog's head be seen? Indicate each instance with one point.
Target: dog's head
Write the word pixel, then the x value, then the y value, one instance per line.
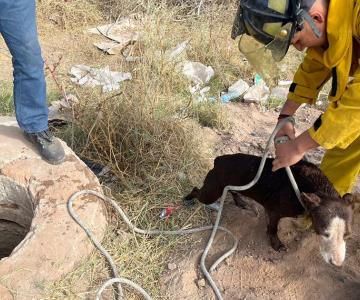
pixel 332 220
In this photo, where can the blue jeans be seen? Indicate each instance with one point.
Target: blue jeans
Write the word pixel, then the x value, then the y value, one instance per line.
pixel 18 28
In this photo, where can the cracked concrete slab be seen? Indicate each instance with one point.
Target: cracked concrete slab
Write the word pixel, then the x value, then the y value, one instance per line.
pixel 33 198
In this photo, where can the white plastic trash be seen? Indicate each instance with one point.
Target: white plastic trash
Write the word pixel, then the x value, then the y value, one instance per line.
pixel 239 86
pixel 87 76
pixel 198 72
pixel 177 53
pixel 258 93
pixel 279 93
pixel 236 90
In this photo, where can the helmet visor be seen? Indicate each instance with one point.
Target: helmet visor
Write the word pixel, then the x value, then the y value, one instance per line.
pixel 265 58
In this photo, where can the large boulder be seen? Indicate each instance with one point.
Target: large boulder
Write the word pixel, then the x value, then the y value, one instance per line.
pixel 39 241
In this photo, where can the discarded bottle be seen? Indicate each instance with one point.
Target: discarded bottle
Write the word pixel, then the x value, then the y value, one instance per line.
pixel 236 90
pixel 225 98
pixel 257 79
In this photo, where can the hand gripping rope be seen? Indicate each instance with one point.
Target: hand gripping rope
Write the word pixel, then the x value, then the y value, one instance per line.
pixel 121 280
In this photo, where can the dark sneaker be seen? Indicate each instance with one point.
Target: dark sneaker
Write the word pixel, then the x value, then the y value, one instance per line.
pixel 49 147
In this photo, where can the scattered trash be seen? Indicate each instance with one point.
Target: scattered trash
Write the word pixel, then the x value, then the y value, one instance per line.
pixel 236 90
pixel 110 47
pixel 114 30
pixel 259 92
pixel 119 44
pixel 178 53
pixel 225 98
pixel 133 52
pixel 241 86
pixel 122 33
pixel 60 109
pixel 87 76
pixel 258 79
pixel 201 95
pixel 167 212
pixel 198 72
pixel 279 93
pixel 284 82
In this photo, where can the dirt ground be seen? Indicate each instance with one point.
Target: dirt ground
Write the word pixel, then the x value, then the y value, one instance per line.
pixel 256 271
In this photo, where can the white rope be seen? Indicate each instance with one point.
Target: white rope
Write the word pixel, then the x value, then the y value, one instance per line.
pixel 137 230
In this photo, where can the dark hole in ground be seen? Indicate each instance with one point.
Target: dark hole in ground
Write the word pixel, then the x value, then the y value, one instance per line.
pixel 16 214
pixel 11 234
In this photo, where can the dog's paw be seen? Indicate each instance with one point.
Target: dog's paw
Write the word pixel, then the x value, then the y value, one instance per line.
pixel 188 202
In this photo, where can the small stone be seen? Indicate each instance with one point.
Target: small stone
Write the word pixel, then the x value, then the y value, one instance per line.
pixel 201 283
pixel 172 266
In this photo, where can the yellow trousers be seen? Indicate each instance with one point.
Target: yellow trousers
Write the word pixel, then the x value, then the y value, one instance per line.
pixel 342 166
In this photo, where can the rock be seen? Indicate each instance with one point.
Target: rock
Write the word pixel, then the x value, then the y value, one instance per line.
pixel 34 196
pixel 201 283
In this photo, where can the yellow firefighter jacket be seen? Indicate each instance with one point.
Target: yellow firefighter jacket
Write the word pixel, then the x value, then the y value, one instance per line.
pixel 339 126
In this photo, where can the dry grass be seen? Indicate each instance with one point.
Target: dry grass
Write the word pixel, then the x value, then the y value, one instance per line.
pixel 146 134
pixel 69 14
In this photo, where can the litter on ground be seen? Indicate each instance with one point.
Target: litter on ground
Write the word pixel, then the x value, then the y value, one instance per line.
pixel 198 72
pixel 122 33
pixel 61 109
pixel 87 76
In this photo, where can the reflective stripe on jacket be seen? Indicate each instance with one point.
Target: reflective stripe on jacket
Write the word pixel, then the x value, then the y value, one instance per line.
pixel 339 126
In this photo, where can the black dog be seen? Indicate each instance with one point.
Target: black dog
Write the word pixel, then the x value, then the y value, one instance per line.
pixel 275 193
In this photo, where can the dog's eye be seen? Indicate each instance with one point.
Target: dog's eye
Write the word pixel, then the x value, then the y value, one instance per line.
pixel 326 235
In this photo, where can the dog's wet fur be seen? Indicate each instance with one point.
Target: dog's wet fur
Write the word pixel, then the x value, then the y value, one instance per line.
pixel 331 214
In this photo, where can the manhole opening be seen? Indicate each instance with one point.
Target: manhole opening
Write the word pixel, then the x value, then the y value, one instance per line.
pixel 16 214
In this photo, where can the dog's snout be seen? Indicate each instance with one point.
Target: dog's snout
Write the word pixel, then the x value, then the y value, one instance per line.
pixel 335 262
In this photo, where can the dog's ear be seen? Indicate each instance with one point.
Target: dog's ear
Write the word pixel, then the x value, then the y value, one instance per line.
pixel 311 200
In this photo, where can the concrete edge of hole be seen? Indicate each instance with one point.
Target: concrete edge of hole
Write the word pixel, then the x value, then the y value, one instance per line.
pixel 16 214
pixel 55 244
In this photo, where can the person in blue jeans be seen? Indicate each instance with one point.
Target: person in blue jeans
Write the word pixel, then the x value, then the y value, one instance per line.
pixel 18 28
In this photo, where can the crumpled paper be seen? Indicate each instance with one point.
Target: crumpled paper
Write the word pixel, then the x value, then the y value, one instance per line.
pixel 87 76
pixel 122 33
